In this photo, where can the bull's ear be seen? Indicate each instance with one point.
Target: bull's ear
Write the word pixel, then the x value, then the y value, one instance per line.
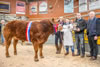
pixel 52 19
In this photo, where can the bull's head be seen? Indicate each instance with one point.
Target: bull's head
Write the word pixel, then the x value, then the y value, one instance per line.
pixel 53 21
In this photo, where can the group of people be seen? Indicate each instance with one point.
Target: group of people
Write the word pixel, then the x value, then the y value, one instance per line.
pixel 64 37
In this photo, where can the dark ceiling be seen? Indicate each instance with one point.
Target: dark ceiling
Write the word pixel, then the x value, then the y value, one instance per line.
pixel 31 0
pixel 27 1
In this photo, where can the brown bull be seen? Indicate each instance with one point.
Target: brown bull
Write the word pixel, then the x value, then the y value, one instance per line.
pixel 39 33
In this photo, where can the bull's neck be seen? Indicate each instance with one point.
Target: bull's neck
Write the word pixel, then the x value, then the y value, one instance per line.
pixel 51 29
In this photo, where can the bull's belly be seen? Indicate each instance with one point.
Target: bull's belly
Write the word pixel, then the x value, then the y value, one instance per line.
pixel 20 38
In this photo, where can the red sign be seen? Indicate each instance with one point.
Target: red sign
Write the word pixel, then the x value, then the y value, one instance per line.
pixel 43 7
pixel 20 7
pixel 33 8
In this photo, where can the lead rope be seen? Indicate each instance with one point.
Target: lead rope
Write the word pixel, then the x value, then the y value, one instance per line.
pixel 61 36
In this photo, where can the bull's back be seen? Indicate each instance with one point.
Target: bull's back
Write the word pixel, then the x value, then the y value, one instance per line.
pixel 15 29
pixel 38 30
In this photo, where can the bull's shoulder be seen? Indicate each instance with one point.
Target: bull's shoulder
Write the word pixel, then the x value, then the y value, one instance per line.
pixel 42 26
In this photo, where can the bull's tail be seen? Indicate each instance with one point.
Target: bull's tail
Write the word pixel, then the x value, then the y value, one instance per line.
pixel 7 34
pixel 7 38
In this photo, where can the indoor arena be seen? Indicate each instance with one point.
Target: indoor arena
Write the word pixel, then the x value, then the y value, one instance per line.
pixel 49 33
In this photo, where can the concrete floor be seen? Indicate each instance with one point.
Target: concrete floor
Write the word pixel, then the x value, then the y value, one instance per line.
pixel 25 58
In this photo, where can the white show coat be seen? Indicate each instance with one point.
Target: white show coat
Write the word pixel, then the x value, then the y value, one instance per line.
pixel 68 40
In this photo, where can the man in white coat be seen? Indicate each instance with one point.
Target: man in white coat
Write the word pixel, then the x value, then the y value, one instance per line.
pixel 68 40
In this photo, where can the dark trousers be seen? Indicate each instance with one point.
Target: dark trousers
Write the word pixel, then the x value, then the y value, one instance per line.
pixel 80 43
pixel 58 39
pixel 93 46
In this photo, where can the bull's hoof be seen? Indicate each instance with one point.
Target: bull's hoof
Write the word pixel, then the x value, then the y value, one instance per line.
pixel 41 56
pixel 15 53
pixel 7 56
pixel 36 60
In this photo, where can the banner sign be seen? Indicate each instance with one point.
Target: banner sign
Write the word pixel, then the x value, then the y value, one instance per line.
pixel 20 7
pixel 82 5
pixel 33 8
pixel 94 4
pixel 4 7
pixel 68 6
pixel 43 7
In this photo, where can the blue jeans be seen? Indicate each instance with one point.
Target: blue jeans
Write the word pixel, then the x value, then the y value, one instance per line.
pixel 80 43
pixel 2 38
pixel 72 49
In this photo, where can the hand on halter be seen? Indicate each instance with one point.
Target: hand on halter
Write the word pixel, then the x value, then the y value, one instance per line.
pixel 95 37
pixel 78 29
pixel 60 28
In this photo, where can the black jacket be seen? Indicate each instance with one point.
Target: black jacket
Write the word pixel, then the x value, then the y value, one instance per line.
pixel 92 27
pixel 81 23
pixel 0 27
pixel 98 26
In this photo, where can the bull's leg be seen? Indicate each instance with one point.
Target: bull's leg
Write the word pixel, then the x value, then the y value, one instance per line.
pixel 36 46
pixel 7 43
pixel 41 48
pixel 14 44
